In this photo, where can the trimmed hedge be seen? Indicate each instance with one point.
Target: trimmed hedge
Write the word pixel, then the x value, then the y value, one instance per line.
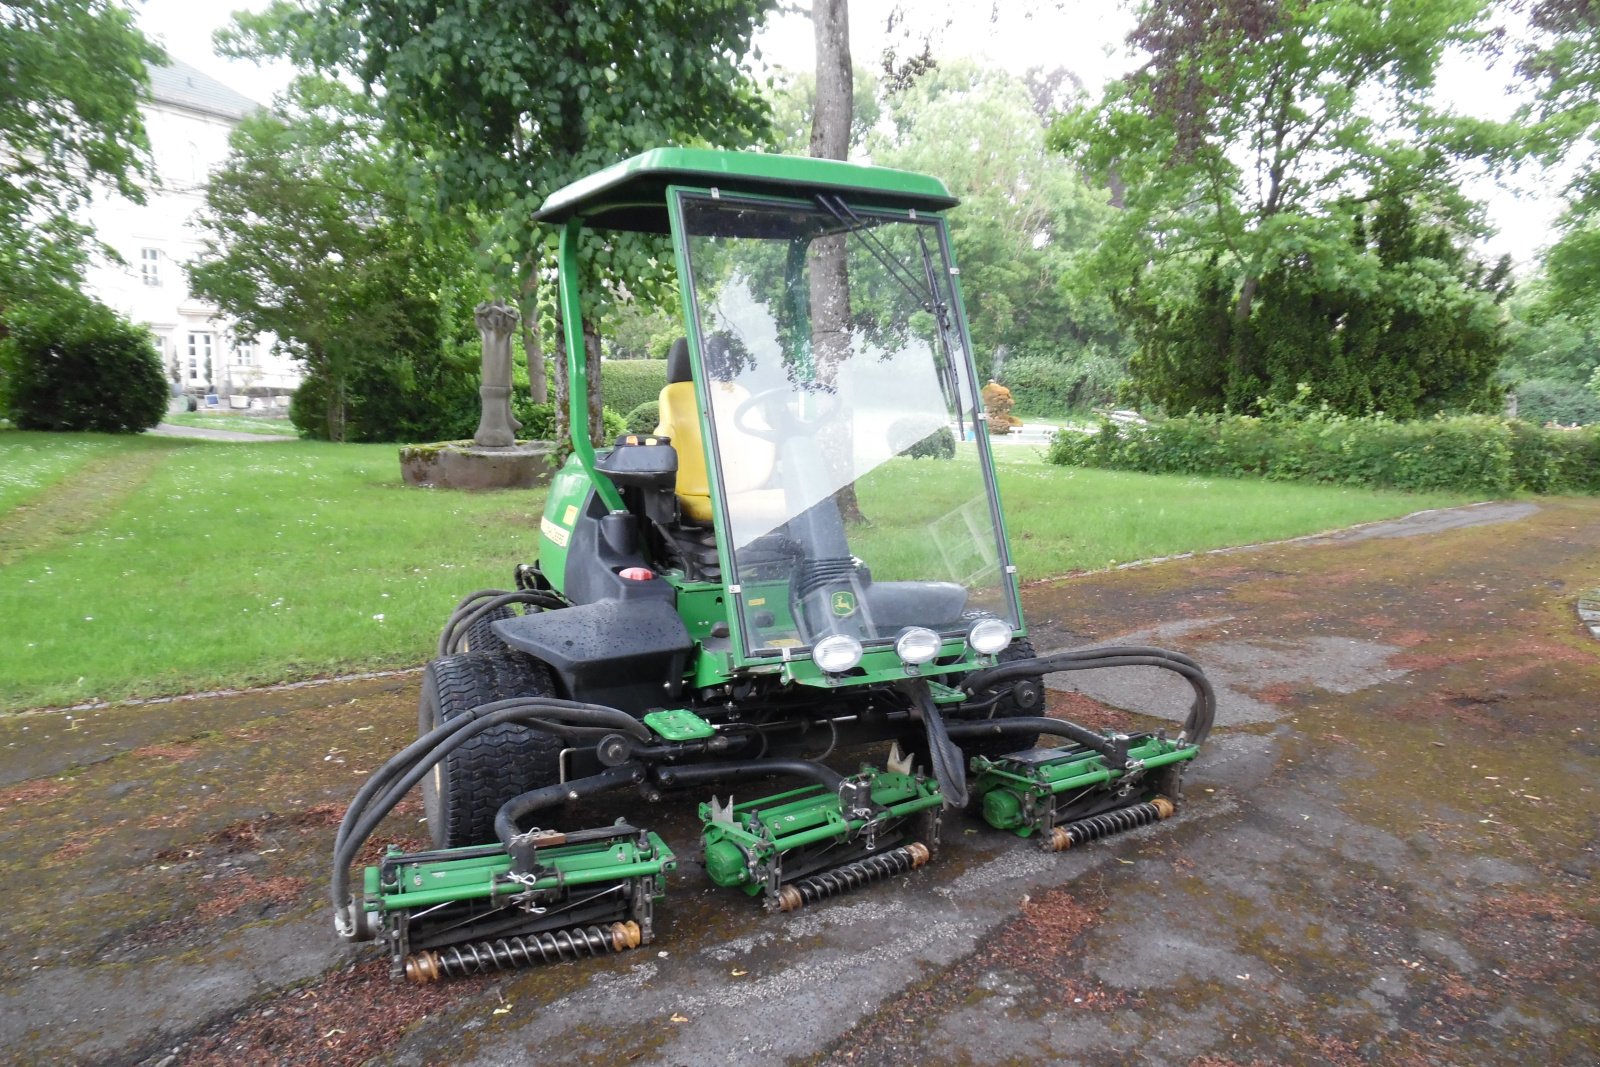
pixel 80 366
pixel 627 383
pixel 644 418
pixel 1469 453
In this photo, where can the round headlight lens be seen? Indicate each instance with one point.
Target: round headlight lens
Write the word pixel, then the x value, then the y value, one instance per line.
pixel 917 645
pixel 837 654
pixel 989 636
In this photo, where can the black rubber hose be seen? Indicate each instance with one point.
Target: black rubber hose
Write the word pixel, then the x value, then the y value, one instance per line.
pixel 409 766
pixel 1029 724
pixel 441 741
pixel 944 756
pixel 729 770
pixel 595 715
pixel 478 606
pixel 524 804
pixel 1202 713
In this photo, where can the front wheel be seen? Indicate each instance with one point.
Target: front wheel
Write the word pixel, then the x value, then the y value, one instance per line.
pixel 465 789
pixel 1026 697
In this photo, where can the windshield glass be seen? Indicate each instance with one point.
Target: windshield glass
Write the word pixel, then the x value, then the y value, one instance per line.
pixel 842 411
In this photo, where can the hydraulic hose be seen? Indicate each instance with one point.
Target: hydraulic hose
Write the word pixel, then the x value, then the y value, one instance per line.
pixel 1027 724
pixel 521 806
pixel 402 772
pixel 701 773
pixel 944 757
pixel 1202 712
pixel 480 605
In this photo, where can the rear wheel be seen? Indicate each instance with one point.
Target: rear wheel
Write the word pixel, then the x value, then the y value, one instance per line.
pixel 467 787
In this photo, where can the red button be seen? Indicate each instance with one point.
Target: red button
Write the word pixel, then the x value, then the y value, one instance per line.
pixel 637 574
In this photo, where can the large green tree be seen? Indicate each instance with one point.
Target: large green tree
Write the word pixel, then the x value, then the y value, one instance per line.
pixel 506 104
pixel 74 73
pixel 306 238
pixel 1026 213
pixel 1562 60
pixel 1250 141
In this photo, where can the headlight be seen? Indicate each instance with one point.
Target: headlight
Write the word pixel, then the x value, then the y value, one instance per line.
pixel 917 645
pixel 836 654
pixel 989 636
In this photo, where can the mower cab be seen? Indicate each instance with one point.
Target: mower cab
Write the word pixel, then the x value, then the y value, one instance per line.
pixel 807 554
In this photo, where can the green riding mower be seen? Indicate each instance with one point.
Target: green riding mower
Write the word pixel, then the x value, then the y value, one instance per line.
pixel 808 555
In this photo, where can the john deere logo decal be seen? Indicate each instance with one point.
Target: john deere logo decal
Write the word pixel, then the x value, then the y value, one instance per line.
pixel 844 603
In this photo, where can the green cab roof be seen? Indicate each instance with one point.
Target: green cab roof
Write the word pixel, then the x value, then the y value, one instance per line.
pixel 631 195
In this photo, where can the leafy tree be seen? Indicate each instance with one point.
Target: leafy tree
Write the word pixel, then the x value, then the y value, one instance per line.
pixel 1562 60
pixel 505 108
pixel 1026 213
pixel 306 238
pixel 74 73
pixel 1248 144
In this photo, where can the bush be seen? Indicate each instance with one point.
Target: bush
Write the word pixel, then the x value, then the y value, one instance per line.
pixel 1473 453
pixel 625 384
pixel 539 420
pixel 1542 400
pixel 1041 385
pixel 80 366
pixel 644 418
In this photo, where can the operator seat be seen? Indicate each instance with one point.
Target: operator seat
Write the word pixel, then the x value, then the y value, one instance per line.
pixel 747 461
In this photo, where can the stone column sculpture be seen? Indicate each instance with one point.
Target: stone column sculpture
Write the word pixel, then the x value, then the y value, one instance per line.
pixel 497 428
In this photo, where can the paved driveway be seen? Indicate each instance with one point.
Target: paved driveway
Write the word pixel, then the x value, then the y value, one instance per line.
pixel 1387 855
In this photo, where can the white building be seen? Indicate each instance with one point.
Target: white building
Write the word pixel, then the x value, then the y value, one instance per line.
pixel 188 121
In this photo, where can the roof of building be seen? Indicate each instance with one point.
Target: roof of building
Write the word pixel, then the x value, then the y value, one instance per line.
pixel 181 85
pixel 632 195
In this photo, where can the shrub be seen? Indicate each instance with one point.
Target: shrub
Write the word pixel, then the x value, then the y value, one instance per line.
pixel 80 366
pixel 1542 400
pixel 539 420
pixel 939 443
pixel 625 384
pixel 1054 387
pixel 644 418
pixel 1474 453
pixel 997 405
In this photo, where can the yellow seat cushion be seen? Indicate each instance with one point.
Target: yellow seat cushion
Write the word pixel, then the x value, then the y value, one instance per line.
pixel 747 460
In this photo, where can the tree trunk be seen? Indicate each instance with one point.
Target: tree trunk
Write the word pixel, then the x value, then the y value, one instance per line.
pixel 829 272
pixel 532 345
pixel 563 425
pixel 591 351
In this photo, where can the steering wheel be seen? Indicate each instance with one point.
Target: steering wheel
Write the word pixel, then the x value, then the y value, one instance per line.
pixel 781 419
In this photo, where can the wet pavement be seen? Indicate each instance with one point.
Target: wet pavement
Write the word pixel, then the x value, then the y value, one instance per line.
pixel 1386 854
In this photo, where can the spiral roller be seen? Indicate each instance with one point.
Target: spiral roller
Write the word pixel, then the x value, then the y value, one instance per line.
pixel 852 876
pixel 1107 823
pixel 508 953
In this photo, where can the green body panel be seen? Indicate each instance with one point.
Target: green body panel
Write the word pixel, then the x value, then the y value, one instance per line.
pixel 884 665
pixel 439 881
pixel 563 503
pixel 1011 792
pixel 631 195
pixel 577 367
pixel 679 725
pixel 759 831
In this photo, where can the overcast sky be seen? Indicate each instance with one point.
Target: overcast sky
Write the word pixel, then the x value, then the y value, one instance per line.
pixel 1084 36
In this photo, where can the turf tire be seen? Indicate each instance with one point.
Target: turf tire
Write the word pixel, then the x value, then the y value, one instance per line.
pixel 468 786
pixel 1008 706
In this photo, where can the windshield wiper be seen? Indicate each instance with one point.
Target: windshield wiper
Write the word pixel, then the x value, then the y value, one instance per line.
pixel 928 298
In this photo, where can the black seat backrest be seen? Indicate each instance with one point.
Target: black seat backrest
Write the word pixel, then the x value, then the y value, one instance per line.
pixel 678 363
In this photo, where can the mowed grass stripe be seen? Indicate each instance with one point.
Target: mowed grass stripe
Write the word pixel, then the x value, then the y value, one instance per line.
pixel 79 501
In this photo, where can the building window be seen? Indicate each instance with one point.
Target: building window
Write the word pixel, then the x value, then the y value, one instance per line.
pixel 150 266
pixel 244 353
pixel 194 369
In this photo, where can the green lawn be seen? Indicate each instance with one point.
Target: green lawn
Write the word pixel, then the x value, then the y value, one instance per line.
pixel 239 564
pixel 237 423
pixel 202 564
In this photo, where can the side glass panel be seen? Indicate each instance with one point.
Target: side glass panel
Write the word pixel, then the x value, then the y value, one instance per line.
pixel 841 407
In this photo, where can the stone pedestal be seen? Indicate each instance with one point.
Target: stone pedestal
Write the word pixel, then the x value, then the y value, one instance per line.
pixel 466 465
